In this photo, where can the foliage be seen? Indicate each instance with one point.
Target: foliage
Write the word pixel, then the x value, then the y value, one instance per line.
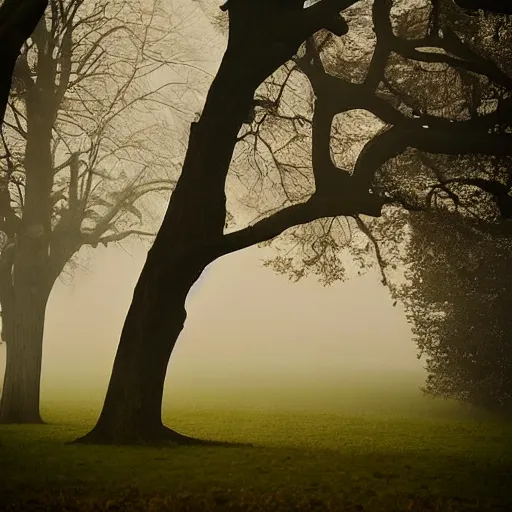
pixel 428 66
pixel 91 68
pixel 434 65
pixel 457 297
pixel 98 74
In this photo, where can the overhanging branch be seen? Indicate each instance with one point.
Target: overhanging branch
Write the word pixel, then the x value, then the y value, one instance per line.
pixel 378 254
pixel 495 6
pixel 353 202
pixel 115 237
pixel 455 141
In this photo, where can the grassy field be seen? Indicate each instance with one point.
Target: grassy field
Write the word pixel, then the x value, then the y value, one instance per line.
pixel 410 454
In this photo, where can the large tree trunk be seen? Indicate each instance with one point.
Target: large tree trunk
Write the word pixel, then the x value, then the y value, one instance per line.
pixel 186 243
pixel 132 410
pixel 191 235
pixel 31 275
pixel 21 389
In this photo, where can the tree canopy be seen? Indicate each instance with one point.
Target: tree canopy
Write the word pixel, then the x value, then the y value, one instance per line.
pixel 416 100
pixel 458 298
pixel 407 67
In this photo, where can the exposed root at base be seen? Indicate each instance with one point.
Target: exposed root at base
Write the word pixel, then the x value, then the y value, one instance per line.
pixel 163 436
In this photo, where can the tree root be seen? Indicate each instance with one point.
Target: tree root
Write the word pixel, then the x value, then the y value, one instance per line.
pixel 161 436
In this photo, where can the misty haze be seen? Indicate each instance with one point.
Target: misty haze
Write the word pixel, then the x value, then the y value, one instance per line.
pixel 247 329
pixel 256 256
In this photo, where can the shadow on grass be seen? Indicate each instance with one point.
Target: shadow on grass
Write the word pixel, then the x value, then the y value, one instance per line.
pixel 229 501
pixel 257 479
pixel 164 437
pixel 298 462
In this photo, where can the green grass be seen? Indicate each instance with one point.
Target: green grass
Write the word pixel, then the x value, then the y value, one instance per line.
pixel 428 457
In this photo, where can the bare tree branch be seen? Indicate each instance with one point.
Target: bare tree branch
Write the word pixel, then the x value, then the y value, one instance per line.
pixel 268 228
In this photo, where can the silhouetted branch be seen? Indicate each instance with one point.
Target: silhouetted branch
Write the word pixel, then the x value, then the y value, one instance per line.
pixel 352 203
pixel 463 57
pixel 496 189
pixel 125 201
pixel 457 55
pixel 116 237
pixel 382 25
pixel 378 254
pixel 496 6
pixel 455 141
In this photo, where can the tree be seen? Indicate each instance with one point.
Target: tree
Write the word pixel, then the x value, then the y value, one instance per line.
pixel 457 254
pixel 458 299
pixel 276 145
pixel 263 36
pixel 18 19
pixel 80 132
pixel 451 316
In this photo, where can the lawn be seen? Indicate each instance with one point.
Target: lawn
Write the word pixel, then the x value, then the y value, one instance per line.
pixel 310 459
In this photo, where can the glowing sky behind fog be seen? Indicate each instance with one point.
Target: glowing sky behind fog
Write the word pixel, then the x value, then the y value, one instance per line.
pixel 243 320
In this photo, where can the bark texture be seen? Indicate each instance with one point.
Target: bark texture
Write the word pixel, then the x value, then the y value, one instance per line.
pixel 21 389
pixel 187 242
pixel 31 277
pixel 262 36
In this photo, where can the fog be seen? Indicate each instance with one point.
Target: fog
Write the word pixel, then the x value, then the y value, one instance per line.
pixel 247 329
pixel 386 127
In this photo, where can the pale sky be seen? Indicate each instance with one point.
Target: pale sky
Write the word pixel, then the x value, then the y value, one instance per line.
pixel 243 320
